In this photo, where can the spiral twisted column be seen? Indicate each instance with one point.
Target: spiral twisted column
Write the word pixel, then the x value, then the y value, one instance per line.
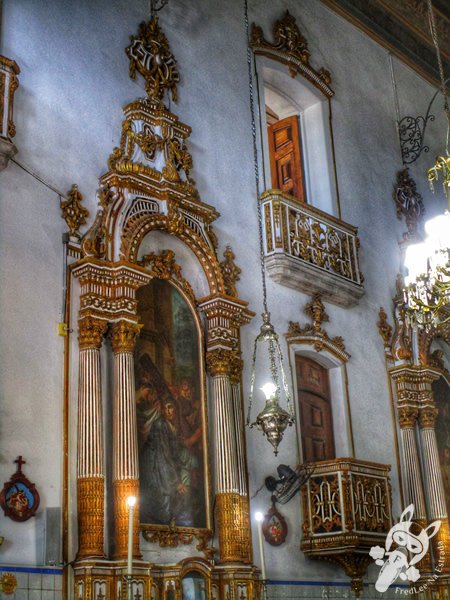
pixel 437 506
pixel 125 451
pixel 90 456
pixel 232 515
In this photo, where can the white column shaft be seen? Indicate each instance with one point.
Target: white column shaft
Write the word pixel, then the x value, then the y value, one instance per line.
pixel 227 476
pixel 435 485
pixel 240 438
pixel 90 427
pixel 414 487
pixel 125 433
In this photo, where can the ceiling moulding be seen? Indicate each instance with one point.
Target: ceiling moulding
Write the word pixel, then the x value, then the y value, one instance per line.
pixel 402 27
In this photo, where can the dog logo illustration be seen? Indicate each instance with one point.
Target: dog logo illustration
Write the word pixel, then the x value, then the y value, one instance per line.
pixel 410 549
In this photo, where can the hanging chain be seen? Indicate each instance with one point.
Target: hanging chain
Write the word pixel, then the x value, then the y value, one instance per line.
pixel 156 6
pixel 397 105
pixel 255 159
pixel 434 36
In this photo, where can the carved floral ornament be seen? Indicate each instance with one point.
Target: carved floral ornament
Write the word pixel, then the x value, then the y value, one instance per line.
pixel 291 48
pixel 314 333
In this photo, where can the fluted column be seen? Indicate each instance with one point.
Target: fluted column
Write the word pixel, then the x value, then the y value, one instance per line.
pixel 231 500
pixel 437 507
pixel 125 454
pixel 413 480
pixel 238 411
pixel 90 456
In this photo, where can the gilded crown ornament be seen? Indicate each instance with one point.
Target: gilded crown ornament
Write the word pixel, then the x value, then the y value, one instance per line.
pixel 150 55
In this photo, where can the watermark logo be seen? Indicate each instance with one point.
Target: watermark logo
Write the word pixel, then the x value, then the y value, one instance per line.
pixel 410 549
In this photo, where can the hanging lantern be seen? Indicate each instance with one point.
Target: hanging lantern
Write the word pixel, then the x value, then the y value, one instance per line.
pixel 273 419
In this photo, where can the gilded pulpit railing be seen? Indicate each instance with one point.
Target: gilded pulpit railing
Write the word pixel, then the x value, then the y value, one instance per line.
pixel 346 511
pixel 302 243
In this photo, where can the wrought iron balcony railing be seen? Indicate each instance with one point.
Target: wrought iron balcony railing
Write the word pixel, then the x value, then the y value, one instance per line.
pixel 346 511
pixel 311 251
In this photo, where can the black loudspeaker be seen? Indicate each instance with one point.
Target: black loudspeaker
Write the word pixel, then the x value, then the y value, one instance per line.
pixel 53 536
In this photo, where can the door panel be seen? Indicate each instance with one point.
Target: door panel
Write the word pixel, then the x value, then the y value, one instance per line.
pixel 286 157
pixel 315 410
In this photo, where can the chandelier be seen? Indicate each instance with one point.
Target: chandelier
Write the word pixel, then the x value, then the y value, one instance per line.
pixel 427 285
pixel 273 419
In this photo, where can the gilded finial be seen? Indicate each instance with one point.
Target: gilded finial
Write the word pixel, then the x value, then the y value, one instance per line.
pixel 316 312
pixel 230 272
pixel 73 212
pixel 150 55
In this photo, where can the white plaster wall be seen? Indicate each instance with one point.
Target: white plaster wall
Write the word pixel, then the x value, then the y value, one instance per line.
pixel 73 84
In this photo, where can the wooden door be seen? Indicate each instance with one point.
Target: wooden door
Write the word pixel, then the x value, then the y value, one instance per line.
pixel 286 157
pixel 315 410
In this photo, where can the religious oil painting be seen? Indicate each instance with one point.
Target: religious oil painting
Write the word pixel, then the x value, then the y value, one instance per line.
pixel 170 416
pixel 441 392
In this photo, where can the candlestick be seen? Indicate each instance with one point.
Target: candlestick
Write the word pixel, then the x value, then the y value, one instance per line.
pixel 259 519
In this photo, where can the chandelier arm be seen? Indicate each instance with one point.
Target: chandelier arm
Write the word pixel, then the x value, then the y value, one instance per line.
pixel 255 159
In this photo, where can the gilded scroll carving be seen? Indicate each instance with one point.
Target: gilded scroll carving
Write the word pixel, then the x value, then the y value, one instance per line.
pixel 164 266
pixel 73 212
pixel 290 47
pixel 314 333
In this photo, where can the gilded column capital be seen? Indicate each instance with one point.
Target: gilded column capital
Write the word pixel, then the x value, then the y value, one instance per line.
pixel 221 361
pixel 237 364
pixel 123 336
pixel 427 417
pixel 91 332
pixel 407 416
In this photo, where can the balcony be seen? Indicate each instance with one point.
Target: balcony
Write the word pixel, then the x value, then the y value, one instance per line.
pixel 346 510
pixel 311 251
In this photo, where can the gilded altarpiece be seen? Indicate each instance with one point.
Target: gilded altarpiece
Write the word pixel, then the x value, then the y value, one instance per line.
pixel 164 342
pixel 420 398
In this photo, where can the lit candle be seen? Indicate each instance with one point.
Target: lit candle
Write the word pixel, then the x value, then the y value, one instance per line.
pixel 131 501
pixel 259 519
